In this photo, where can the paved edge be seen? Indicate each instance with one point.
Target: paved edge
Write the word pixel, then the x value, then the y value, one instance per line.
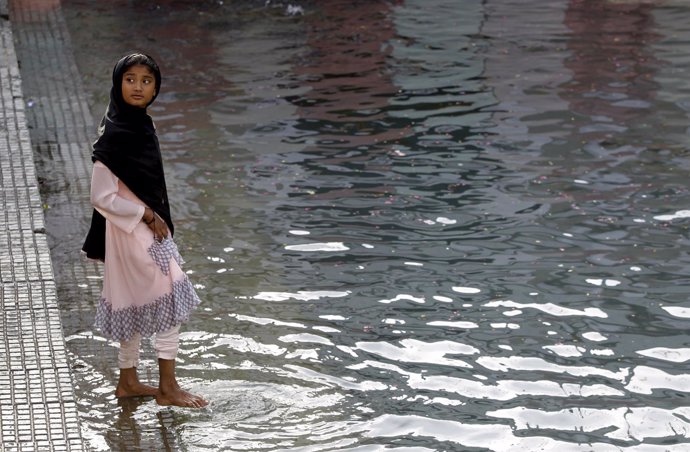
pixel 38 410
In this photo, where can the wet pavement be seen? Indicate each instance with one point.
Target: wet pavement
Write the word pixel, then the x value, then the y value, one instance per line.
pixel 38 409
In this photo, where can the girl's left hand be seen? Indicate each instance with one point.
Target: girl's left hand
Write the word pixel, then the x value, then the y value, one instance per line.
pixel 156 224
pixel 160 228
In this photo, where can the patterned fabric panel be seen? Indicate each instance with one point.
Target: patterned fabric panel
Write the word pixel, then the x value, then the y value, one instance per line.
pixel 162 252
pixel 161 315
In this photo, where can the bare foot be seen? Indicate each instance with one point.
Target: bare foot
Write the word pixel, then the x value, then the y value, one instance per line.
pixel 135 390
pixel 129 385
pixel 179 397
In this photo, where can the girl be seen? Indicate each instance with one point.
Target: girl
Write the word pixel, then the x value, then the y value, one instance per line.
pixel 145 291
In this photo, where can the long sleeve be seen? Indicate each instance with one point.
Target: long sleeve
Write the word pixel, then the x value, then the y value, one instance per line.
pixel 123 213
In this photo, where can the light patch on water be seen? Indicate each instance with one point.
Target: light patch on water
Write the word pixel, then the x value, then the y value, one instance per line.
pixel 549 308
pixel 502 390
pixel 299 232
pixel 677 311
pixel 566 351
pixel 505 364
pixel 512 313
pixel 602 352
pixel 302 295
pixel 606 282
pixel 581 181
pixel 393 321
pixel 348 350
pixel 450 324
pixel 676 355
pixel 305 337
pixel 444 220
pixel 330 380
pixel 414 264
pixel 228 249
pixel 303 353
pixel 498 437
pixel 646 379
pixel 442 299
pixel 503 325
pixel 325 246
pixel 333 317
pixel 326 329
pixel 594 336
pixel 623 424
pixel 215 259
pixel 415 351
pixel 265 321
pixel 505 347
pixel 636 269
pixel 198 343
pixel 404 296
pixel 366 245
pixel 467 290
pixel 680 214
pixel 567 234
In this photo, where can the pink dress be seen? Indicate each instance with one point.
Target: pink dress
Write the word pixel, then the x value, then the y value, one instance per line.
pixel 144 288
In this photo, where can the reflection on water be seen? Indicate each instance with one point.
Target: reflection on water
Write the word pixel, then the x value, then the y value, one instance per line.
pixel 415 225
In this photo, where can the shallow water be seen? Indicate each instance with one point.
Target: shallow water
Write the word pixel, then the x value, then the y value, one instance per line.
pixel 447 225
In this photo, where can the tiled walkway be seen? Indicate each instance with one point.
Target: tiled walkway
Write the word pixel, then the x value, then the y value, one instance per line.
pixel 38 411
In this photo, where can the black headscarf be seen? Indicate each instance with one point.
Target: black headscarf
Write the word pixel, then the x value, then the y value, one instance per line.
pixel 127 144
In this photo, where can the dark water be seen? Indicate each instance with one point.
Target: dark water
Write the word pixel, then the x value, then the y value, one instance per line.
pixel 416 225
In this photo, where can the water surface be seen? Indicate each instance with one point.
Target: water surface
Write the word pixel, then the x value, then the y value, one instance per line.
pixel 447 225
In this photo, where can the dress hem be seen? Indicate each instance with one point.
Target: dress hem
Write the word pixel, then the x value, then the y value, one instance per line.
pixel 165 312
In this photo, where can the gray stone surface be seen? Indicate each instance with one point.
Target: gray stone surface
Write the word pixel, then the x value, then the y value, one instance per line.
pixel 38 411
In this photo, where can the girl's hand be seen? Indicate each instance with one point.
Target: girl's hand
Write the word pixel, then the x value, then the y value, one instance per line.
pixel 156 224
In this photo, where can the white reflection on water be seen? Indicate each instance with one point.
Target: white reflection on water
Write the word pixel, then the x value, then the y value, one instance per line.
pixel 415 351
pixel 265 321
pixel 549 308
pixel 624 423
pixel 497 437
pixel 305 337
pixel 197 343
pixel 594 336
pixel 645 379
pixel 676 355
pixel 451 324
pixel 404 296
pixel 566 351
pixel 302 295
pixel 502 390
pixel 309 247
pixel 504 364
pixel 677 311
pixel 674 216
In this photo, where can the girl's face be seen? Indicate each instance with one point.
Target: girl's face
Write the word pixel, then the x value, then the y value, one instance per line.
pixel 138 85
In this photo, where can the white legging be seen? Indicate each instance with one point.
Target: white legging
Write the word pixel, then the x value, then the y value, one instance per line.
pixel 166 345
